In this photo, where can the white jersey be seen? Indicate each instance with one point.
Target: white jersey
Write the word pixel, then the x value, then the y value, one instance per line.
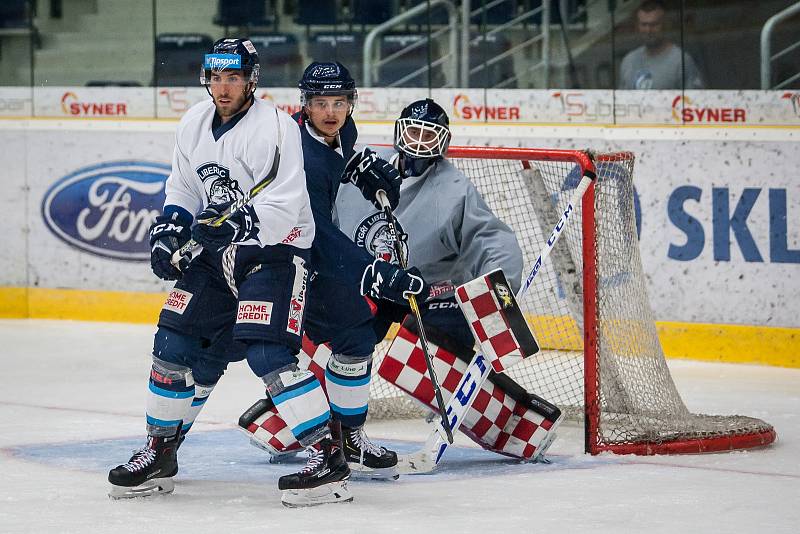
pixel 210 169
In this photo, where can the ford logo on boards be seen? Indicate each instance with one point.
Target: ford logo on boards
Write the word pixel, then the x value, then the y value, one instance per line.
pixel 107 209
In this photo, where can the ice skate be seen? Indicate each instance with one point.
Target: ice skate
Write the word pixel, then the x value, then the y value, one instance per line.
pixel 148 472
pixel 365 458
pixel 323 479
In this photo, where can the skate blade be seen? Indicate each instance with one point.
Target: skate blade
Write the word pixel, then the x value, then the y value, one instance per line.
pixel 363 472
pixel 155 486
pixel 327 493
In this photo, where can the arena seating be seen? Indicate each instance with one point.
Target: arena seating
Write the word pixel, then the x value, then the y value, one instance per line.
pixel 179 57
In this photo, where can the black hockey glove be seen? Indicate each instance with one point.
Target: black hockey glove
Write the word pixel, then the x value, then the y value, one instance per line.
pixel 168 233
pixel 239 227
pixel 383 280
pixel 371 174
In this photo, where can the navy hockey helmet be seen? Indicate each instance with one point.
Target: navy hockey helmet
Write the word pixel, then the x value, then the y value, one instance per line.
pixel 329 78
pixel 231 54
pixel 421 136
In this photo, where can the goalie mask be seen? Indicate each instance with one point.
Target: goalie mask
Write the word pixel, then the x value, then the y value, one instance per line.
pixel 421 136
pixel 327 79
pixel 231 54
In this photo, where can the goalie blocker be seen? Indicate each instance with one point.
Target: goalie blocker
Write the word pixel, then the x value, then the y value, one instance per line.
pixel 502 417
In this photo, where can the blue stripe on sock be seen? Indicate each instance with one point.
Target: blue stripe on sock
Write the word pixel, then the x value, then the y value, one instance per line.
pixel 349 411
pixel 199 402
pixel 346 382
pixel 186 427
pixel 308 425
pixel 171 394
pixel 162 422
pixel 292 393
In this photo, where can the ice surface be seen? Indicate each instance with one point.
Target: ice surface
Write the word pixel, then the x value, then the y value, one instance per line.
pixel 72 406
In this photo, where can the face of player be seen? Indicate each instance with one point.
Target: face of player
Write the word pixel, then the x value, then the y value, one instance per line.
pixel 420 140
pixel 231 91
pixel 651 27
pixel 327 114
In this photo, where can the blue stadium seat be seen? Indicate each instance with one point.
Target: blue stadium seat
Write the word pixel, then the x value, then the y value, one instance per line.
pixel 279 55
pixel 372 11
pixel 317 12
pixel 247 13
pixel 485 48
pixel 13 14
pixel 179 57
pixel 408 62
pixel 346 48
pixel 497 14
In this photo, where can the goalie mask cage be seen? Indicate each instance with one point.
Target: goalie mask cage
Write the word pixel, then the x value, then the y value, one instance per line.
pixel 601 360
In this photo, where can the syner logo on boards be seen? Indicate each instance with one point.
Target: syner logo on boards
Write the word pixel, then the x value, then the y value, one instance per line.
pixel 107 209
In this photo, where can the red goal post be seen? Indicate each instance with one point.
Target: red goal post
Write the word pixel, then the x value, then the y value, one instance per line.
pixel 602 362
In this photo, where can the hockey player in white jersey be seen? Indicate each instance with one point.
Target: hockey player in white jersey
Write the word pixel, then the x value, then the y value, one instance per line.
pixel 243 296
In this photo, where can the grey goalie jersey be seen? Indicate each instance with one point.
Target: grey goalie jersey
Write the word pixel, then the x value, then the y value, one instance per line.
pixel 453 236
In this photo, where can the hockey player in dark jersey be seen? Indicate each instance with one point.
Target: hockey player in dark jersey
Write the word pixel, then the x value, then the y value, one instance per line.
pixel 337 313
pixel 452 235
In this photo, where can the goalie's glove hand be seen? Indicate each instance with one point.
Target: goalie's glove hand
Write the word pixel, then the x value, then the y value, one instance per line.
pixel 371 174
pixel 383 280
pixel 239 227
pixel 168 233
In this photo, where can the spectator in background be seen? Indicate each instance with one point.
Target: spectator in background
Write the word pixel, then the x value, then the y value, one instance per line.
pixel 658 63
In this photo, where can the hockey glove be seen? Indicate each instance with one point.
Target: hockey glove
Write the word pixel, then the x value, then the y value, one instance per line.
pixel 239 227
pixel 383 280
pixel 371 174
pixel 168 233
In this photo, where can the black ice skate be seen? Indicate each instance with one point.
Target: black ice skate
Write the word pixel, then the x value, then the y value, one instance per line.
pixel 148 472
pixel 365 458
pixel 322 480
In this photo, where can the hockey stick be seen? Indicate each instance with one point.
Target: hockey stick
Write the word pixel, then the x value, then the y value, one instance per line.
pixel 412 301
pixel 428 457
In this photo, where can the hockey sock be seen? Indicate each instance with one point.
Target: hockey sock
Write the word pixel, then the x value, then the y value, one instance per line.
pixel 201 394
pixel 300 401
pixel 347 382
pixel 170 397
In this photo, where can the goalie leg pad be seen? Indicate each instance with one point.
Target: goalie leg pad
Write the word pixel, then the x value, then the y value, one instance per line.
pixel 301 402
pixel 268 431
pixel 170 395
pixel 347 382
pixel 504 418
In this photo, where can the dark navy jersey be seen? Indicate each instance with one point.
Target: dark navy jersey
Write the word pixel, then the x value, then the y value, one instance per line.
pixel 333 254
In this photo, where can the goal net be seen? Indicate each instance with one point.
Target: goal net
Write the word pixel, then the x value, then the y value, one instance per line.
pixel 601 360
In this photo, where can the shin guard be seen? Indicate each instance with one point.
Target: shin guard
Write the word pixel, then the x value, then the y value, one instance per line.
pixel 301 402
pixel 169 398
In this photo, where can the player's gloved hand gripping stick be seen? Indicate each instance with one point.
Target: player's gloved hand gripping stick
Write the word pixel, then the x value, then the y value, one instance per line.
pixel 184 255
pixel 383 199
pixel 428 457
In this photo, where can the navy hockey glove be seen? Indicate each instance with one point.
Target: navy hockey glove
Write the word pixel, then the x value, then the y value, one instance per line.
pixel 383 280
pixel 371 174
pixel 239 227
pixel 168 233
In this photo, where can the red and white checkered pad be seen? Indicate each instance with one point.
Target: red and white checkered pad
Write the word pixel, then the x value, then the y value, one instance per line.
pixel 495 421
pixel 489 324
pixel 269 428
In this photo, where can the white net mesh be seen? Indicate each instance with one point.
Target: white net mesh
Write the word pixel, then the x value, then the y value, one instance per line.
pixel 637 399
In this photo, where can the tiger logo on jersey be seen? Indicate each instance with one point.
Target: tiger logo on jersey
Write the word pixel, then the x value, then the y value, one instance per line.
pixel 218 183
pixel 373 234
